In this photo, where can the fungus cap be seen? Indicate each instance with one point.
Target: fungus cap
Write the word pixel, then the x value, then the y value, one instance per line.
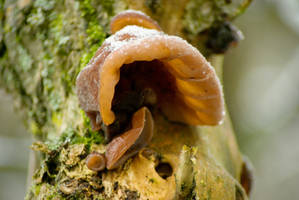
pixel 96 161
pixel 132 17
pixel 197 98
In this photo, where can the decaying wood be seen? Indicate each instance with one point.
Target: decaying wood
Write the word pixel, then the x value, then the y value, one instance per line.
pixel 44 44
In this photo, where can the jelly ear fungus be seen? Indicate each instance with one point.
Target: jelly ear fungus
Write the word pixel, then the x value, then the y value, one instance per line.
pixel 138 66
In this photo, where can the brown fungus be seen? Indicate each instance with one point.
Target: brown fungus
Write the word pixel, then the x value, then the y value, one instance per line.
pixel 96 120
pixel 132 17
pixel 132 141
pixel 186 86
pixel 96 161
pixel 247 175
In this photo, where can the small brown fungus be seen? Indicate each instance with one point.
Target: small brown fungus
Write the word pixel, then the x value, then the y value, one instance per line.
pixel 95 120
pixel 96 161
pixel 132 141
pixel 182 82
pixel 247 178
pixel 132 17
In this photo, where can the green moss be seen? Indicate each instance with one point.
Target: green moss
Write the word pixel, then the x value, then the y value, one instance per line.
pixel 36 18
pixel 34 128
pixel 108 6
pixel 55 101
pixel 57 118
pixel 59 38
pixel 57 142
pixel 44 4
pixel 56 24
pixel 34 191
pixel 63 160
pixel 43 191
pixel 40 12
pixel 94 31
pixel 24 59
pixel 95 38
pixel 90 138
pixel 72 136
pixel 87 9
pixel 87 56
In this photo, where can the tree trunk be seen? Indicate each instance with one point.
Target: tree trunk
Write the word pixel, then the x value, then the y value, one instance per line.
pixel 44 44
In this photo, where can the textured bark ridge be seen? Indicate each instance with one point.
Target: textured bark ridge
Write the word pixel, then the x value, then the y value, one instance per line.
pixel 44 44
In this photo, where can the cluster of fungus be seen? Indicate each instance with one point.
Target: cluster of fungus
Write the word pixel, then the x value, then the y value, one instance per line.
pixel 137 69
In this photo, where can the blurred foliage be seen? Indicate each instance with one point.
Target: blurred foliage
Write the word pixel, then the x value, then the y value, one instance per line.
pixel 262 92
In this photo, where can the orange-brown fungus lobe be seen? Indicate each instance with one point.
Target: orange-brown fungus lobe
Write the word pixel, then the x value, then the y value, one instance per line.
pixel 96 161
pixel 186 85
pixel 132 141
pixel 247 178
pixel 132 17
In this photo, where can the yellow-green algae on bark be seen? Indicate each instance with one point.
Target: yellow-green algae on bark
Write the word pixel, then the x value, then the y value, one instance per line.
pixel 43 46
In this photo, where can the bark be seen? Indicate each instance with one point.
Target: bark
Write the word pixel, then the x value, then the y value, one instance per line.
pixel 43 46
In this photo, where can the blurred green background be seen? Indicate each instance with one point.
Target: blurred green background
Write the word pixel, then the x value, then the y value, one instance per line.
pixel 261 79
pixel 261 87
